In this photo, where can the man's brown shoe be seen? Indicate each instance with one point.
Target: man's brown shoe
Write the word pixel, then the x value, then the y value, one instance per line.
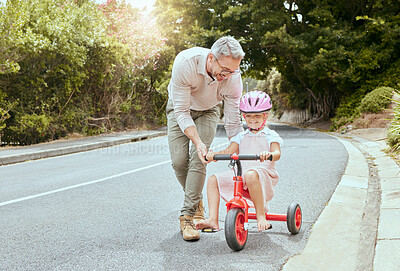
pixel 188 229
pixel 199 215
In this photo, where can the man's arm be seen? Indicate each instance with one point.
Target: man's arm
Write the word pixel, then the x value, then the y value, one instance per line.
pixel 179 91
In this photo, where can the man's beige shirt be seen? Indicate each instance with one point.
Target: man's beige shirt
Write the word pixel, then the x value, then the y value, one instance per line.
pixel 191 88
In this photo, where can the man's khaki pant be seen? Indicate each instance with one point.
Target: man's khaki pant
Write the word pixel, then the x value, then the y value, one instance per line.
pixel 189 170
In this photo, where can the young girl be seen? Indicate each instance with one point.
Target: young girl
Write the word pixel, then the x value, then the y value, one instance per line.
pixel 260 177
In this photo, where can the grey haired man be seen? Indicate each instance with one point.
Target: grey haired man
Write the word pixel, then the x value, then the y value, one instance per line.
pixel 201 79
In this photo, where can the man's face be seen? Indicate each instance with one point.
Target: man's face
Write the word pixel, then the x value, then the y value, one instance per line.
pixel 224 67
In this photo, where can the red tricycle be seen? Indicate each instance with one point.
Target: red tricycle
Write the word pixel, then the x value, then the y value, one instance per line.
pixel 236 222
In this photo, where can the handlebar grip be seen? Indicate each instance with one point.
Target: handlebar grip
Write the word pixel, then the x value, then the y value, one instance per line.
pixel 252 157
pixel 222 157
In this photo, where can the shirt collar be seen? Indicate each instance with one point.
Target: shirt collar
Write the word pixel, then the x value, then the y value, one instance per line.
pixel 201 66
pixel 266 131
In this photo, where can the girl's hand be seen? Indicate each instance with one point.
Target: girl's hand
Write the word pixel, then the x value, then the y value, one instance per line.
pixel 264 156
pixel 210 156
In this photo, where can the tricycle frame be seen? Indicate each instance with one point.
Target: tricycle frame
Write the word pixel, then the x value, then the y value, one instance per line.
pixel 235 230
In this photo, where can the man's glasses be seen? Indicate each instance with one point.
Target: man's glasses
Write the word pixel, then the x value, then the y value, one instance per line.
pixel 225 72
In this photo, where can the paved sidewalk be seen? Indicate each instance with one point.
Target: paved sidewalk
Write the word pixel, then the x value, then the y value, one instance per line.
pixel 10 155
pixel 359 227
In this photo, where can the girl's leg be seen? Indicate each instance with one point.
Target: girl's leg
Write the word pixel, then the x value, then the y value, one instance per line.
pixel 213 205
pixel 254 186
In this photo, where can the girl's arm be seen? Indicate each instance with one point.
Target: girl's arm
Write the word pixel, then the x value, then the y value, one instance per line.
pixel 275 151
pixel 231 149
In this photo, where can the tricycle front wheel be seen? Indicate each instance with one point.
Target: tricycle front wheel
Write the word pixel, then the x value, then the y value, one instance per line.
pixel 235 232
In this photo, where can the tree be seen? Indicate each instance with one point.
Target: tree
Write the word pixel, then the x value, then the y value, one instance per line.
pixel 122 78
pixel 75 66
pixel 325 50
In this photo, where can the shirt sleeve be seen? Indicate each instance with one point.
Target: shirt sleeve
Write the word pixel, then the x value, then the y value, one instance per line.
pixel 179 90
pixel 237 138
pixel 274 137
pixel 232 123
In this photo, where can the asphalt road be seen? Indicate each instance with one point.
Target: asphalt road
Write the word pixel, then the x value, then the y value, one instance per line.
pixel 117 209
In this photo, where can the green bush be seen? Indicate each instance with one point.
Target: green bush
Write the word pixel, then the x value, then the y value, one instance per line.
pixel 394 129
pixel 393 140
pixel 347 111
pixel 32 128
pixel 352 106
pixel 377 100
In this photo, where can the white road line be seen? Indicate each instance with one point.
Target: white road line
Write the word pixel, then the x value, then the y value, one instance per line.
pixel 91 182
pixel 81 184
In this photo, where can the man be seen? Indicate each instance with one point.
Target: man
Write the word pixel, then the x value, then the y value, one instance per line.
pixel 201 79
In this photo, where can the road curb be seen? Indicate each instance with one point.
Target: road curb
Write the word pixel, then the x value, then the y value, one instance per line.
pixel 355 230
pixel 12 159
pixel 388 236
pixel 335 235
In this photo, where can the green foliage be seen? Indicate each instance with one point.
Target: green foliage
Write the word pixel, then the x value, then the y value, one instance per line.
pixel 75 66
pixel 325 50
pixel 393 138
pixel 54 40
pixel 352 106
pixel 347 111
pixel 5 107
pixel 377 100
pixel 272 86
pixel 33 128
pixel 11 35
pixel 394 129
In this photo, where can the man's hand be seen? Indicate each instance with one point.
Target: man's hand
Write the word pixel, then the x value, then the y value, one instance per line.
pixel 193 135
pixel 201 151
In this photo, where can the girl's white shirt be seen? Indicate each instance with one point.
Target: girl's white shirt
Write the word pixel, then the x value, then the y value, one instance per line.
pixel 271 136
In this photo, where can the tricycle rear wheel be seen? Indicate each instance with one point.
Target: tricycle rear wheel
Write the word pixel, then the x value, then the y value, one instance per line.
pixel 294 218
pixel 235 232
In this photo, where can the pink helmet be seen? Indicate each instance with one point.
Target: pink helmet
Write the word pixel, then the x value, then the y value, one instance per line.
pixel 255 102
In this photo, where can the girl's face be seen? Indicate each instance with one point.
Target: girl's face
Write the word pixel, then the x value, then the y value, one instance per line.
pixel 255 120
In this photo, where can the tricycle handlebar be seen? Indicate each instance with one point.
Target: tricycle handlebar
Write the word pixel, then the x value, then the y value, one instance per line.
pixel 238 157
